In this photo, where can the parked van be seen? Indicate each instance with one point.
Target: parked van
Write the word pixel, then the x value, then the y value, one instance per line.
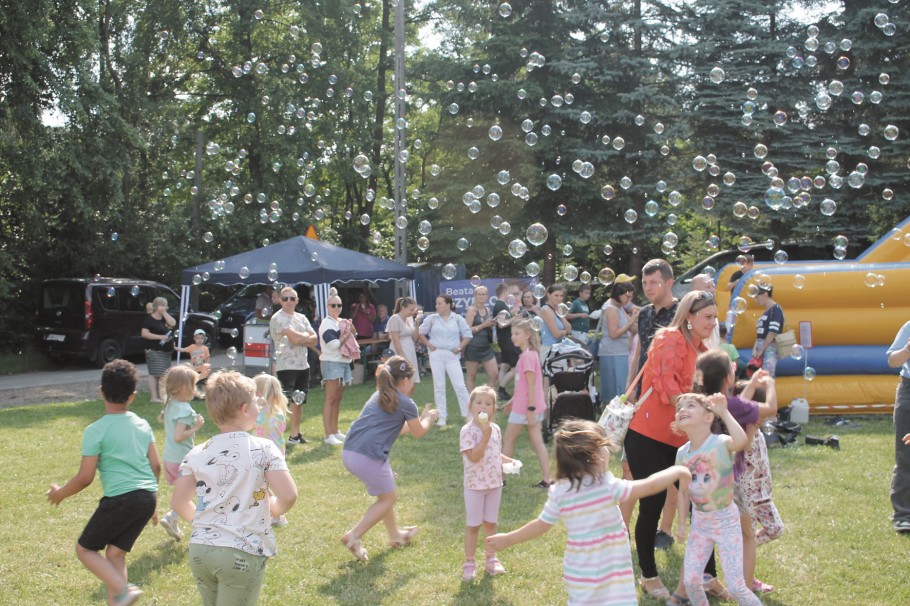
pixel 102 318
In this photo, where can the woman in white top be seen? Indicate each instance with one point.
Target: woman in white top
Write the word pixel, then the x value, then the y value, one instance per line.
pixel 445 335
pixel 403 333
pixel 336 367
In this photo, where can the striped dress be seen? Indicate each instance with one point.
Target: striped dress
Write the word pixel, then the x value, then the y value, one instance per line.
pixel 597 566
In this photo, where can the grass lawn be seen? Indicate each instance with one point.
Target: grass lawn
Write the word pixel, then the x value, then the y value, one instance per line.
pixel 838 547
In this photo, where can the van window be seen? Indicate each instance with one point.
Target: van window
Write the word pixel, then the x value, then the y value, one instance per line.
pixel 134 298
pixel 63 296
pixel 108 297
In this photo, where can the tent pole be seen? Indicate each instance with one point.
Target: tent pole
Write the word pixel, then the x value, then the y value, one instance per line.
pixel 184 306
pixel 401 253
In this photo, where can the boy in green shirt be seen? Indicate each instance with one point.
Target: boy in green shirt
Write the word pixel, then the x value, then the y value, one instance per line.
pixel 121 447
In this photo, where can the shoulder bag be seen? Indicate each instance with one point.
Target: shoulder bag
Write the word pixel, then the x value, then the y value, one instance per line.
pixel 618 413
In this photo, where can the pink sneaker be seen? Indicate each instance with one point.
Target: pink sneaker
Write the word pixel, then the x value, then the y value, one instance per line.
pixel 468 570
pixel 494 566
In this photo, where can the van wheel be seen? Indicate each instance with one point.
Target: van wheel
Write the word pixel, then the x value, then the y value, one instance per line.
pixel 108 351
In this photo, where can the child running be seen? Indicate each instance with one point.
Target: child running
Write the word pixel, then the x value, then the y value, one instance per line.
pixel 597 566
pixel 388 413
pixel 121 447
pixel 528 402
pixel 180 425
pixel 273 417
pixel 715 517
pixel 232 535
pixel 481 450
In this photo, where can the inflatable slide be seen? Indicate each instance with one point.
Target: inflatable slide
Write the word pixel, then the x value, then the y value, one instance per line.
pixel 844 313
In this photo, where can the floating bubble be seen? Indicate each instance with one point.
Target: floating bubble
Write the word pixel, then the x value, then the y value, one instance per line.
pixel 562 310
pixel 505 9
pixel 539 291
pixel 449 271
pixel 537 234
pixel 608 249
pixel 760 151
pixel 841 241
pixel 739 305
pixel 517 248
pixel 606 276
pixel 570 273
pixel 567 250
pixel 671 239
pixel 891 132
pixel 630 216
pixel 799 281
pixel 231 352
pixel 462 244
pixel 809 373
pixel 798 352
pixel 781 257
pixel 244 272
pixel 532 269
pixel 651 208
pixel 608 192
pixel 699 163
pixel 554 182
pixel 717 75
pixel 584 277
pixel 495 133
pixel 505 227
pixel 619 143
pixel 423 243
pixel 473 153
pixel 561 210
pixel 492 199
pixel 827 207
pixel 531 139
pixel 433 203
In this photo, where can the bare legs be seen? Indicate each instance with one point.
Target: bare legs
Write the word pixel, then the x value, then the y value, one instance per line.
pixel 110 568
pixel 334 390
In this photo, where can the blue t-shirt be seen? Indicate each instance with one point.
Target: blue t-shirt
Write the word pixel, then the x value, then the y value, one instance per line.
pixel 375 430
pixel 770 321
pixel 580 307
pixel 900 341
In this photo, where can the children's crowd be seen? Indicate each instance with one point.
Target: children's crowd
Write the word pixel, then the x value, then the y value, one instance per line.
pixel 234 489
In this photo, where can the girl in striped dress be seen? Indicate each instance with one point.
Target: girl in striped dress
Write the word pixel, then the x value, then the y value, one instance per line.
pixel 597 566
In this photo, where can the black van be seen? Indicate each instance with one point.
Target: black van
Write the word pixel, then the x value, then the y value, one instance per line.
pixel 101 318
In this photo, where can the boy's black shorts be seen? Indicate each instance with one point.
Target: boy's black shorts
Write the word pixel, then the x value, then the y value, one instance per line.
pixel 119 520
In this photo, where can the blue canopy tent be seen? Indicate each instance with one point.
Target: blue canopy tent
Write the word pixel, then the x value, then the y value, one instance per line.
pixel 298 260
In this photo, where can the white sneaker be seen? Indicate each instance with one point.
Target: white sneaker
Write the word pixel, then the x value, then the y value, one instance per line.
pixel 334 441
pixel 169 523
pixel 340 436
pixel 440 422
pixel 279 522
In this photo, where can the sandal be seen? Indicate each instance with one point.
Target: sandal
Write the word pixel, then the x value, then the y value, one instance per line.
pixel 468 570
pixel 543 484
pixel 409 533
pixel 716 590
pixel 659 592
pixel 356 548
pixel 759 587
pixel 678 600
pixel 493 566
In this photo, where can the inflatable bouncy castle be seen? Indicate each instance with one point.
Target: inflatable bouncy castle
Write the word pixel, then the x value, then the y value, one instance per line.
pixel 844 313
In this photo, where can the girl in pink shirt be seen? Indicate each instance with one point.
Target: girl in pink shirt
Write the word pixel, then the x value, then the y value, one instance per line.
pixel 528 402
pixel 481 450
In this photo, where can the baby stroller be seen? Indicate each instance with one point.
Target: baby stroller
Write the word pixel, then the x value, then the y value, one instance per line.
pixel 570 368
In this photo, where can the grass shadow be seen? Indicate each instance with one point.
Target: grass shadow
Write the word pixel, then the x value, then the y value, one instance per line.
pixel 361 583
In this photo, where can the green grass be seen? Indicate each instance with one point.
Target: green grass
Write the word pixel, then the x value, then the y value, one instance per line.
pixel 838 547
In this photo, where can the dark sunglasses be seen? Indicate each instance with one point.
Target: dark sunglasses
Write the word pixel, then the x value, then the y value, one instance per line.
pixel 334 304
pixel 704 295
pixel 288 298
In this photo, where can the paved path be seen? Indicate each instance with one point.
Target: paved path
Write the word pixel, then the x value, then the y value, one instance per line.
pixel 34 387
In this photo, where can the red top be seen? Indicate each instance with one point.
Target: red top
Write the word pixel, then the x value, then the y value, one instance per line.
pixel 669 370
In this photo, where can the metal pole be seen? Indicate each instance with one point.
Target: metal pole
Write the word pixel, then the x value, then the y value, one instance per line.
pixel 401 253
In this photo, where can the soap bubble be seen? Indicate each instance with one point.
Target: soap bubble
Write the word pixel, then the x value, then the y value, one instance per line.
pixel 781 257
pixel 798 352
pixel 561 310
pixel 799 281
pixel 539 291
pixel 532 269
pixel 717 75
pixel 537 234
pixel 244 272
pixel 607 192
pixel 630 216
pixel 570 273
pixel 505 227
pixel 448 271
pixel 473 153
pixel 828 207
pixel 606 276
pixel 517 248
pixel 760 151
pixel 495 133
pixel 584 277
pixel 651 208
pixel 423 243
pixel 738 305
pixel 231 352
pixel 554 182
pixel 462 244
pixel 891 132
pixel 567 250
pixel 809 373
pixel 699 163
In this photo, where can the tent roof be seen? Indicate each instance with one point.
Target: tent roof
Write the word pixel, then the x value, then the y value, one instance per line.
pixel 300 259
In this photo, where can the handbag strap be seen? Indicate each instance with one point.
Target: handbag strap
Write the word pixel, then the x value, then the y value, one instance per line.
pixel 637 379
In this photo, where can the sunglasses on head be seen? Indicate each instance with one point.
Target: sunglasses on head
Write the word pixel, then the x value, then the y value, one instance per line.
pixel 288 298
pixel 704 295
pixel 334 304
